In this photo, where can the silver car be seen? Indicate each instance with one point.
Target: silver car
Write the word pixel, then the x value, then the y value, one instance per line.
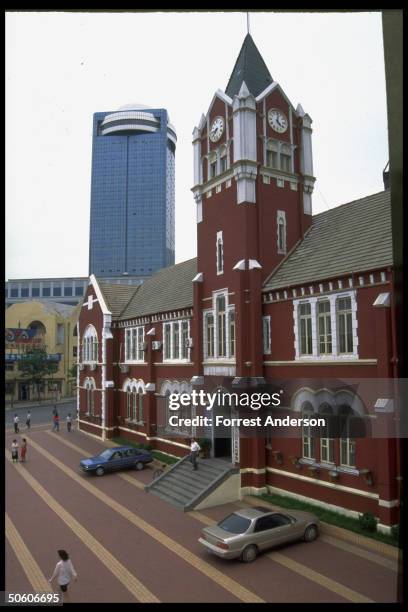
pixel 245 533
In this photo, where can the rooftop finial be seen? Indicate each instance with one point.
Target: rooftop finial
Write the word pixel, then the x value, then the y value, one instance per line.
pixel 248 26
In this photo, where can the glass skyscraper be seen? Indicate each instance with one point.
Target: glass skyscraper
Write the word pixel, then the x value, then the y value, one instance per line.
pixel 132 192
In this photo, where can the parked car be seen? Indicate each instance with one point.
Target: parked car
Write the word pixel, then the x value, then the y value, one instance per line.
pixel 245 533
pixel 117 458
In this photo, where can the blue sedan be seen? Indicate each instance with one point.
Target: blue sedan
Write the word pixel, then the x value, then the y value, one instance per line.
pixel 118 458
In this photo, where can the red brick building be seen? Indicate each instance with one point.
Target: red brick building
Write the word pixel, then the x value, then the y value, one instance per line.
pixel 275 293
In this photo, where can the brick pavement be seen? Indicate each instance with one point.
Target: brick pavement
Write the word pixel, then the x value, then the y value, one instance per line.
pixel 128 545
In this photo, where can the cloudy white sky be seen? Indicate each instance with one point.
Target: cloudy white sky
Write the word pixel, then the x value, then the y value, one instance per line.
pixel 63 67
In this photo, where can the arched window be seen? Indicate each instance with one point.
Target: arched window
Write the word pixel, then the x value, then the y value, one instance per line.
pixel 220 253
pixel 326 441
pixel 308 441
pixel 281 231
pixel 90 345
pixel 347 443
pixel 90 403
pixel 40 329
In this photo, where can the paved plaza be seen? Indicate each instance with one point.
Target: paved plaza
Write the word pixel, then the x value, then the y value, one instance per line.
pixel 130 546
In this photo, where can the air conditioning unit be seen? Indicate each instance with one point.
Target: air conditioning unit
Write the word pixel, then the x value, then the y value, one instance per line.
pixel 92 366
pixel 156 345
pixel 189 343
pixel 81 366
pixel 124 368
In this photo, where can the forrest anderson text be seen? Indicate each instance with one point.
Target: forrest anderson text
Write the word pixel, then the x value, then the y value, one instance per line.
pixel 207 421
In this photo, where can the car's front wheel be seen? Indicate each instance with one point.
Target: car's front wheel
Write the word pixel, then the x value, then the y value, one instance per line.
pixel 139 465
pixel 249 553
pixel 311 533
pixel 99 471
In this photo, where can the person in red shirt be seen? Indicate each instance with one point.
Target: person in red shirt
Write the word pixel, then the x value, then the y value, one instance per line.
pixel 23 450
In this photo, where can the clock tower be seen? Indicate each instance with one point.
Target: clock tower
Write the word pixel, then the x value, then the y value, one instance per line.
pixel 253 181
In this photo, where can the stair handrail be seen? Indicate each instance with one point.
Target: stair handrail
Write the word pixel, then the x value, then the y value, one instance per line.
pixel 167 471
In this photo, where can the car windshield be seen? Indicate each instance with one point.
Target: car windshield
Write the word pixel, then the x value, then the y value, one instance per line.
pixel 234 523
pixel 106 454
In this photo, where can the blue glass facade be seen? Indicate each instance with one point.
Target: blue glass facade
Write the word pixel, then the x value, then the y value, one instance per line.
pixel 132 193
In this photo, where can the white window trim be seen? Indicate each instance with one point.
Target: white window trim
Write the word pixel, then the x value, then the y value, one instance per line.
pixel 129 332
pixel 228 309
pixel 89 340
pixel 220 265
pixel 267 344
pixel 335 355
pixel 173 359
pixel 281 216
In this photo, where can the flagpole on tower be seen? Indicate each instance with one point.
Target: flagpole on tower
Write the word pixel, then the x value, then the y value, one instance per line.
pixel 248 28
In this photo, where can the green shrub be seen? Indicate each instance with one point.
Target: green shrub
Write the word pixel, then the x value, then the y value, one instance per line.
pixel 367 522
pixel 395 532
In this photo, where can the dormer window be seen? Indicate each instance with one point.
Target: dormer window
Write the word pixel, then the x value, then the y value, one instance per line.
pixel 220 253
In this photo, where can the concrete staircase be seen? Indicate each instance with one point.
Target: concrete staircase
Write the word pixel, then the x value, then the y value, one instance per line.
pixel 185 488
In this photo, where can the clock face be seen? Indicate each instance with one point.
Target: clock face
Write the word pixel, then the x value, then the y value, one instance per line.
pixel 217 129
pixel 277 120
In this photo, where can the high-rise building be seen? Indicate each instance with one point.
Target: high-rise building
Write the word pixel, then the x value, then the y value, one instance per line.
pixel 132 193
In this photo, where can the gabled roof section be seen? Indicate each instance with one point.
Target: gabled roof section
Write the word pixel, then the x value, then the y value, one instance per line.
pixel 353 237
pixel 168 289
pixel 251 68
pixel 116 296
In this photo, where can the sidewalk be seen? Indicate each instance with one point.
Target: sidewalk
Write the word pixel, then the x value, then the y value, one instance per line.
pixel 35 403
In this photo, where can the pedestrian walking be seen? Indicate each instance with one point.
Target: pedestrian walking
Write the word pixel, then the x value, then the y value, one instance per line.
pixel 69 422
pixel 64 572
pixel 14 451
pixel 194 450
pixel 16 421
pixel 55 420
pixel 23 450
pixel 28 420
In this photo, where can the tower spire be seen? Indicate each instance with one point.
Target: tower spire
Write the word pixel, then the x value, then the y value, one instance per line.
pixel 249 67
pixel 248 25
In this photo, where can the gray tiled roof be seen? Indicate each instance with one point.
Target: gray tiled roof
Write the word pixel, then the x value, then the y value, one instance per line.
pixel 251 68
pixel 168 289
pixel 117 296
pixel 353 237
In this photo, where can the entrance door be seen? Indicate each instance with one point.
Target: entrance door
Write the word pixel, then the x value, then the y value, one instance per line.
pixel 23 392
pixel 222 448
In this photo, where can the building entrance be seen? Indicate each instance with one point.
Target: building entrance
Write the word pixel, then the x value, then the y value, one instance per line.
pixel 23 392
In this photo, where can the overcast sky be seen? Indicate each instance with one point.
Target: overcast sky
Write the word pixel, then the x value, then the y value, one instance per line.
pixel 63 67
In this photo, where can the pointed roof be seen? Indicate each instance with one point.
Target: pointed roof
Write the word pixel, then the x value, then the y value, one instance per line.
pixel 250 68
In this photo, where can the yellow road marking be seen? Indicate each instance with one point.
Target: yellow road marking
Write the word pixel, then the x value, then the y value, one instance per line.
pixel 342 534
pixel 209 522
pixel 78 449
pixel 308 573
pixel 325 582
pixel 134 586
pixel 30 566
pixel 236 589
pixel 360 552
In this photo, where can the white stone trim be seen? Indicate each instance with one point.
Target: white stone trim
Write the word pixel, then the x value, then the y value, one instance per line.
pixel 323 483
pixel 99 295
pixel 250 470
pixel 385 503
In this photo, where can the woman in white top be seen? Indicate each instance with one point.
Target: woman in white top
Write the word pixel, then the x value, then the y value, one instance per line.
pixel 64 571
pixel 14 451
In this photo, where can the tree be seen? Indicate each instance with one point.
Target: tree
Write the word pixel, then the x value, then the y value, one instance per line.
pixel 35 366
